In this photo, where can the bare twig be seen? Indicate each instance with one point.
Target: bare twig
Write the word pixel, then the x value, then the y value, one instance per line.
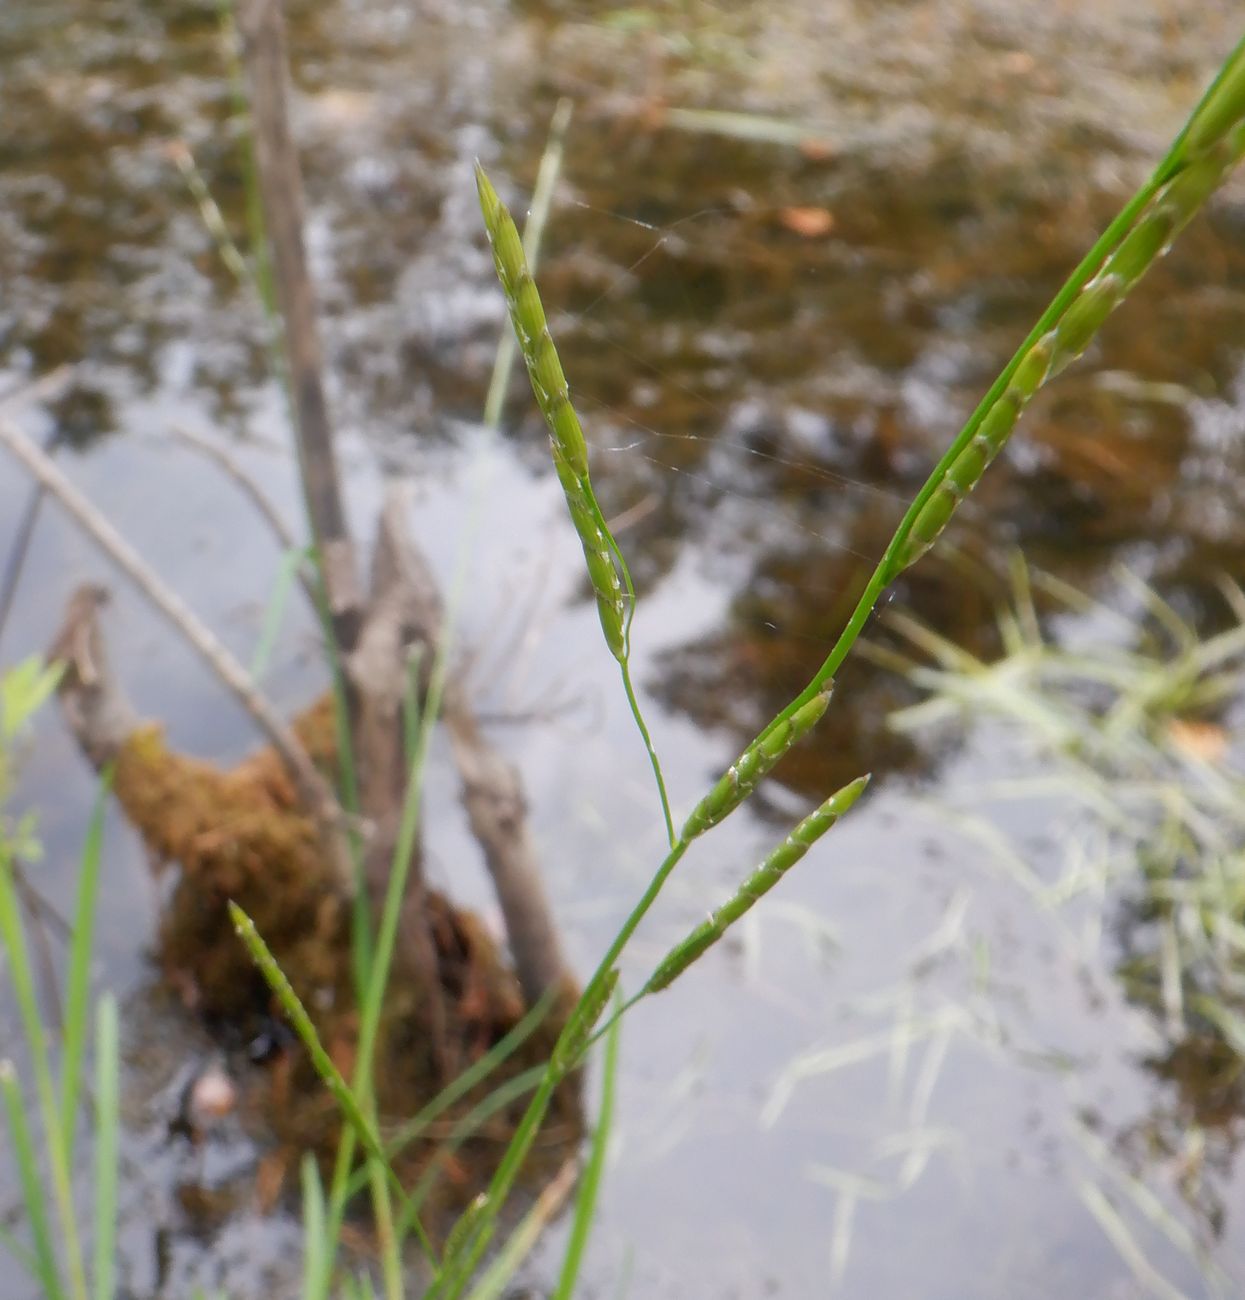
pixel 38 390
pixel 24 395
pixel 258 498
pixel 313 791
pixel 262 25
pixel 229 463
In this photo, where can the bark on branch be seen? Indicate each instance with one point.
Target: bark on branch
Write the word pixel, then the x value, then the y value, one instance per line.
pixel 262 24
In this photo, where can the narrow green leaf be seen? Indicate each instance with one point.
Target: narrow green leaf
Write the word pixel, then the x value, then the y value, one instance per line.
pixel 46 1272
pixel 314 1253
pixel 78 983
pixel 274 613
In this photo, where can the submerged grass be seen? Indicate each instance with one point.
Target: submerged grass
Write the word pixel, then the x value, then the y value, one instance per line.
pixel 1129 734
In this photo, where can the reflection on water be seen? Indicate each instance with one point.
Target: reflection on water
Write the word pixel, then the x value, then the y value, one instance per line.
pixel 762 389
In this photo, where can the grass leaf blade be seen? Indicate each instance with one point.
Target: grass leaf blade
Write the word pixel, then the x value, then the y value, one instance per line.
pixel 78 981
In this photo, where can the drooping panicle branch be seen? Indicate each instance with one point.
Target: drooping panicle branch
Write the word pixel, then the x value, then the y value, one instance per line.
pixel 607 569
pixel 740 779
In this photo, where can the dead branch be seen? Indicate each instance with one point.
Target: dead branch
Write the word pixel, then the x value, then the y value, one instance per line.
pixel 38 390
pixel 258 497
pixel 313 791
pixel 491 789
pixel 233 470
pixel 262 24
pixel 493 797
pixel 405 609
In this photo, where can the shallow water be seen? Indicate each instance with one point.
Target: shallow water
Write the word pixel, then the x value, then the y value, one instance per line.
pixel 760 401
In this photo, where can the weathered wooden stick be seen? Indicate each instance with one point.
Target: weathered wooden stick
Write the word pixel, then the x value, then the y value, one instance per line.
pixel 262 24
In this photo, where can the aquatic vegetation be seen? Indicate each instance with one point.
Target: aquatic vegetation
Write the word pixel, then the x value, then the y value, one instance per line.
pixel 1145 871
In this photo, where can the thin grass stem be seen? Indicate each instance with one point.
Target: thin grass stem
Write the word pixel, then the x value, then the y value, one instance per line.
pixel 594 1170
pixel 359 1123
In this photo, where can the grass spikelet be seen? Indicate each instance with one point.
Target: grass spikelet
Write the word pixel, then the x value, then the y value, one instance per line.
pixel 301 1023
pixel 739 780
pixel 1222 108
pixel 763 879
pixel 574 1037
pixel 1135 247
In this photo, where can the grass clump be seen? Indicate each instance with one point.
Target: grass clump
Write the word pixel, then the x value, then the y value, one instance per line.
pixel 57 1259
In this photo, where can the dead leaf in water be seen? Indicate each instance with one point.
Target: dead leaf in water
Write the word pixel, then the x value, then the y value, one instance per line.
pixel 811 223
pixel 1206 741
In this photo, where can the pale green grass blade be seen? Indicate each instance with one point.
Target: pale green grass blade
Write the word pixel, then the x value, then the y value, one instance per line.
pixel 594 1170
pixel 359 1288
pixel 518 1246
pixel 386 938
pixel 24 689
pixel 43 1259
pixel 315 1256
pixel 78 982
pixel 533 233
pixel 386 1241
pixel 1118 1234
pixel 1146 1201
pixel 348 788
pixel 107 1121
pixel 754 127
pixel 274 613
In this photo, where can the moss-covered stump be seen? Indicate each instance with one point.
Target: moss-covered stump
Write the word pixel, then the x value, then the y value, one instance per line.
pixel 238 834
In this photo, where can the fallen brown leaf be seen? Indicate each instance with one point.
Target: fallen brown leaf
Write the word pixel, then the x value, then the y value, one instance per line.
pixel 812 223
pixel 1203 740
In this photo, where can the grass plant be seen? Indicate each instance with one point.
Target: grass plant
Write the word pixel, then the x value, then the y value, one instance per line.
pixel 1201 156
pixel 57 1260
